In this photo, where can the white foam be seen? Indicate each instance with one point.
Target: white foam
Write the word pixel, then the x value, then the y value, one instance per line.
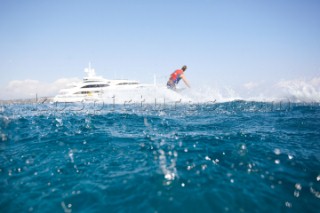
pixel 301 90
pixel 293 91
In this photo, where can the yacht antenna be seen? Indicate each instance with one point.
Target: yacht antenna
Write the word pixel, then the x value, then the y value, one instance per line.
pixel 90 72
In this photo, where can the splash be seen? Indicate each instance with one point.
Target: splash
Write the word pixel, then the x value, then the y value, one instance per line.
pixel 301 90
pixel 290 90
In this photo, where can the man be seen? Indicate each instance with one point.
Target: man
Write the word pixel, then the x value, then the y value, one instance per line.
pixel 175 77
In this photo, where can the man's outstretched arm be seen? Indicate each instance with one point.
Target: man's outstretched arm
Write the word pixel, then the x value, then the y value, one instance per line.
pixel 185 81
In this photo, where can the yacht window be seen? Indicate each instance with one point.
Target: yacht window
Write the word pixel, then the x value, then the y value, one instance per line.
pixel 87 92
pixel 95 85
pixel 127 83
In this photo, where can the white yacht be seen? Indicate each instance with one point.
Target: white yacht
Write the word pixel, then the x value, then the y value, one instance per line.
pixel 93 87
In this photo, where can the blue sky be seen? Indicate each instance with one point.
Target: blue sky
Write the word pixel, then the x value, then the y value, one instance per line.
pixel 223 42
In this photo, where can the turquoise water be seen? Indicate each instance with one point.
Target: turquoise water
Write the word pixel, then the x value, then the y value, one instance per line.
pixel 227 157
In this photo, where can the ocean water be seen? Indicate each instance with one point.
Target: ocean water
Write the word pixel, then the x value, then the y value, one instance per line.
pixel 236 156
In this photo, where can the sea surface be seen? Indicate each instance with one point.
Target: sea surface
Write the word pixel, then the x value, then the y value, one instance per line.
pixel 236 156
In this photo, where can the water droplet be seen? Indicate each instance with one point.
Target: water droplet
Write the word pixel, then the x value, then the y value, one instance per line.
pixel 3 137
pixel 298 186
pixel 316 193
pixel 64 207
pixel 70 154
pixel 214 162
pixel 59 122
pixel 175 154
pixel 145 121
pixel 288 204
pixel 162 142
pixel 277 151
pixel 169 176
pixel 203 167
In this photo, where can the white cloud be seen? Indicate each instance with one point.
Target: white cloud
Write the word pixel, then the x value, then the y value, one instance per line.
pixel 30 88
